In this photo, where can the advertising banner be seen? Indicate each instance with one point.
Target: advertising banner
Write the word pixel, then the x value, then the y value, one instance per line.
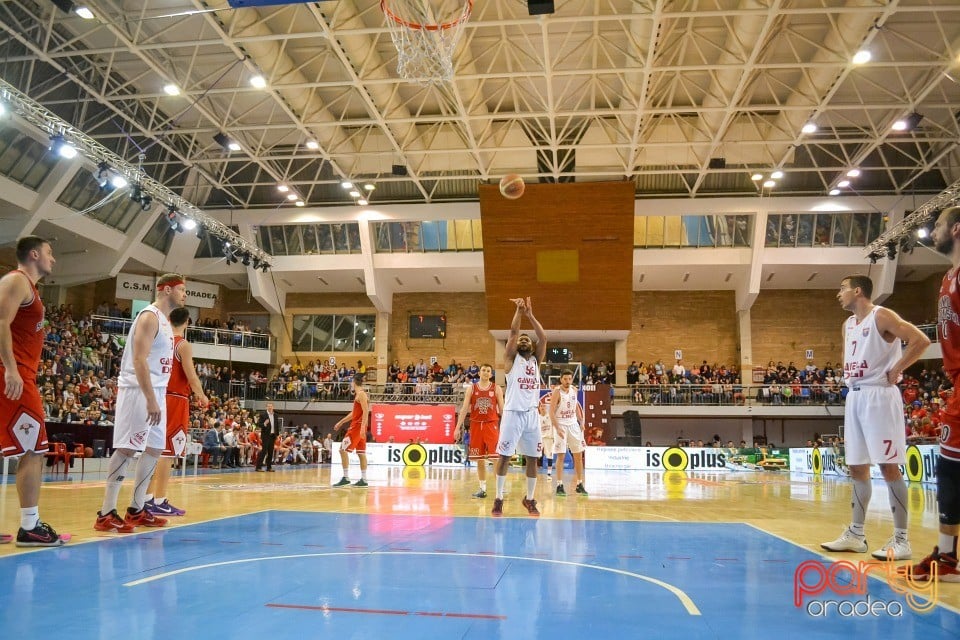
pixel 134 287
pixel 405 423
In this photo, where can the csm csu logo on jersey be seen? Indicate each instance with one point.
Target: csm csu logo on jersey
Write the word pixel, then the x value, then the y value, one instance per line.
pixel 677 459
pixel 418 455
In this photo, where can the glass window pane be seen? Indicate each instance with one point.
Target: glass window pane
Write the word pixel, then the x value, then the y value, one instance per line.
pixel 366 332
pixel 322 332
pixel 302 334
pixel 805 229
pixel 277 241
pixel 673 231
pixel 340 238
pixel 773 231
pixel 875 227
pixel 477 235
pixel 309 239
pixel 858 230
pixel 292 235
pixel 353 237
pixel 264 234
pixel 821 235
pixel 841 229
pixel 343 333
pixel 324 233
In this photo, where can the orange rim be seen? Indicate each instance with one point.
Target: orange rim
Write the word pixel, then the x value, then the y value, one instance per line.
pixel 416 26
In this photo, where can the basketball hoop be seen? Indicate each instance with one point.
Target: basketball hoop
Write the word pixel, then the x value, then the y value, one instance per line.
pixel 425 40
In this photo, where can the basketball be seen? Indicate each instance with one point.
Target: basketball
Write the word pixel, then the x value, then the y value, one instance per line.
pixel 88 452
pixel 511 186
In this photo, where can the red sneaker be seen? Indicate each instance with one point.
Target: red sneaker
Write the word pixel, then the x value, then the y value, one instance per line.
pixel 497 507
pixel 143 518
pixel 531 506
pixel 946 564
pixel 112 522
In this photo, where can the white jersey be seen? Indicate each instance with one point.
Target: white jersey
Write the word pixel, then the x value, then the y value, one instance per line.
pixel 546 427
pixel 523 384
pixel 160 358
pixel 567 406
pixel 867 357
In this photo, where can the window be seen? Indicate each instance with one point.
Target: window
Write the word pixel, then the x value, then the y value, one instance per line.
pixel 334 332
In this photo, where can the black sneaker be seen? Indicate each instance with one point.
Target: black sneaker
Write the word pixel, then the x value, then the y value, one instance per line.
pixel 581 490
pixel 480 494
pixel 41 535
pixel 560 491
pixel 343 482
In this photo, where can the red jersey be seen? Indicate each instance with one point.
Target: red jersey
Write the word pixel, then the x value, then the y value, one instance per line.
pixel 26 333
pixel 483 404
pixel 178 384
pixel 356 416
pixel 948 334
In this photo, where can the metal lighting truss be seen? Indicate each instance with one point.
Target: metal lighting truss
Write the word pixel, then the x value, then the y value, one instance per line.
pixel 918 218
pixel 96 153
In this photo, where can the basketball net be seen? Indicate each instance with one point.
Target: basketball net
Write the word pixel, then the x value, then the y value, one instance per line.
pixel 425 40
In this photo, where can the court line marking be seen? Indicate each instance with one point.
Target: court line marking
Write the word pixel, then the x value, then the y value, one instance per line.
pixel 392 612
pixel 684 599
pixel 833 559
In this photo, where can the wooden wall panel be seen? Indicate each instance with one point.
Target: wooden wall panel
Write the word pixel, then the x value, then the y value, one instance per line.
pixel 595 219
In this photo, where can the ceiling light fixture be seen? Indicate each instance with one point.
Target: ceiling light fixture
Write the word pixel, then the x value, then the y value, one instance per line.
pixel 171 89
pixel 843 184
pixel 776 175
pixel 809 128
pixel 862 57
pixel 258 82
pixel 282 188
pixel 313 145
pixel 853 173
pixel 834 192
pixel 84 12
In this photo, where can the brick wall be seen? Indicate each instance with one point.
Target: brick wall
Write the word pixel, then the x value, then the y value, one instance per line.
pixel 467 335
pixel 701 323
pixel 916 302
pixel 788 322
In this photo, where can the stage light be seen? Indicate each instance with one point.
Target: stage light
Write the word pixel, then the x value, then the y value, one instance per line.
pixel 62 148
pixel 189 224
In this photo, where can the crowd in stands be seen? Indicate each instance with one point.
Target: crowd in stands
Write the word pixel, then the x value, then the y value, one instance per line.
pixel 81 357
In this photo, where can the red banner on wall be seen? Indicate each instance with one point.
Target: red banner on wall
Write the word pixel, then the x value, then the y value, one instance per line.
pixel 433 423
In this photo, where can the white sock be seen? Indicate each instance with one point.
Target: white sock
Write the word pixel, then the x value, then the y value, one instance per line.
pixel 144 473
pixel 158 500
pixel 483 485
pixel 148 497
pixel 363 474
pixel 856 528
pixel 115 470
pixel 900 534
pixel 948 544
pixel 29 517
pixel 501 482
pixel 531 487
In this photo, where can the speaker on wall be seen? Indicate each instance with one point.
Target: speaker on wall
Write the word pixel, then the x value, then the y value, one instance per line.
pixel 539 7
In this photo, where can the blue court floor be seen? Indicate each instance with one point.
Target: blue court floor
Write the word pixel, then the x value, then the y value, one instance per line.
pixel 284 574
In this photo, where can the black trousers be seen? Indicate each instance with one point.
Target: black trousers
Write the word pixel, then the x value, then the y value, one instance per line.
pixel 267 452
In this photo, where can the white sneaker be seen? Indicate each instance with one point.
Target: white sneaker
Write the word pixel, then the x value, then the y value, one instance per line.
pixel 900 547
pixel 848 541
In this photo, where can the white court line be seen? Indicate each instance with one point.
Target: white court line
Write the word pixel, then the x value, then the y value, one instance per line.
pixel 832 559
pixel 684 599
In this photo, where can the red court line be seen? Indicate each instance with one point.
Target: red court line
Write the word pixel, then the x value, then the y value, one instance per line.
pixel 389 612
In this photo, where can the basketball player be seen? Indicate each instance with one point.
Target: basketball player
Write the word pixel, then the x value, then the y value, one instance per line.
pixel 356 438
pixel 873 362
pixel 520 427
pixel 24 433
pixel 945 236
pixel 546 434
pixel 140 424
pixel 484 401
pixel 567 418
pixel 183 378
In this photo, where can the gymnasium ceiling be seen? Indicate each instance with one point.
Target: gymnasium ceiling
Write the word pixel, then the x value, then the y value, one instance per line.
pixel 685 98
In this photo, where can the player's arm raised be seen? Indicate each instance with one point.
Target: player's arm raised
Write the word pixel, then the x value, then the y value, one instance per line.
pixel 511 351
pixel 538 329
pixel 13 292
pixel 185 349
pixel 889 323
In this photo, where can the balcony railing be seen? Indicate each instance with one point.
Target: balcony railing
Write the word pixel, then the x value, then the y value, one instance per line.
pixel 198 335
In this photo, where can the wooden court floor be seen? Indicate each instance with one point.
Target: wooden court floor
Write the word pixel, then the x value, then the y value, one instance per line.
pixel 800 509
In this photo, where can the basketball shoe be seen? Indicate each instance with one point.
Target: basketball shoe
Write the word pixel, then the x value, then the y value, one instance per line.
pixel 497 507
pixel 361 483
pixel 560 491
pixel 848 541
pixel 163 508
pixel 531 506
pixel 900 548
pixel 41 535
pixel 144 518
pixel 479 494
pixel 112 522
pixel 946 564
pixel 581 490
pixel 344 481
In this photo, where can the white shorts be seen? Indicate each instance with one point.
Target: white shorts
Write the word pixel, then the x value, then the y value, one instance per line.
pixel 130 428
pixel 572 439
pixel 520 433
pixel 547 444
pixel 873 429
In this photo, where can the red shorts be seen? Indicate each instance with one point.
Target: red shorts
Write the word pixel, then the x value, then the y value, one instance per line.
pixel 23 428
pixel 483 439
pixel 178 423
pixel 357 440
